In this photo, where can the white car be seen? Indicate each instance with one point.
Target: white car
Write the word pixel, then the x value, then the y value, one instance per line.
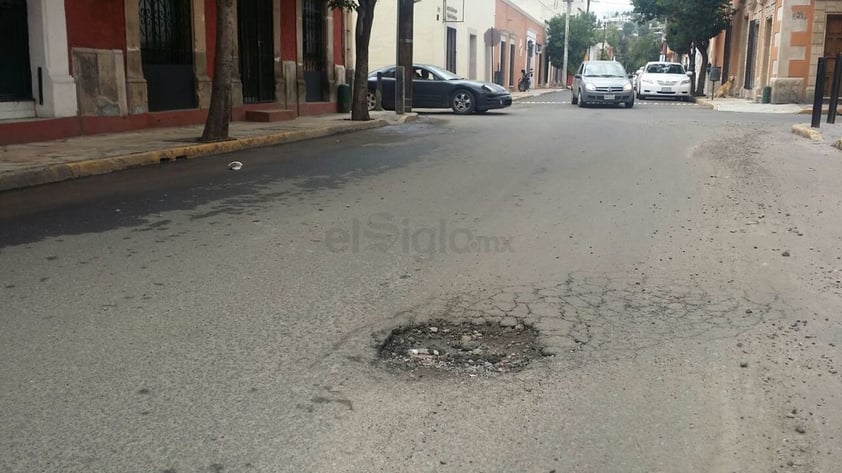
pixel 664 79
pixel 636 80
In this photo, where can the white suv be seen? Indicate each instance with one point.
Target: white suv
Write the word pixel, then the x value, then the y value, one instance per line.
pixel 664 79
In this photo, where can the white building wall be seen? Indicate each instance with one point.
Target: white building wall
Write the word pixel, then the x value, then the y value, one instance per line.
pixel 543 10
pixel 430 34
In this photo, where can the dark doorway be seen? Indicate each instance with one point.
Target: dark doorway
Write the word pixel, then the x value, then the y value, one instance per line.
pixel 498 75
pixel 832 47
pixel 451 50
pixel 315 51
pixel 166 50
pixel 511 65
pixel 751 52
pixel 15 78
pixel 257 50
pixel 726 63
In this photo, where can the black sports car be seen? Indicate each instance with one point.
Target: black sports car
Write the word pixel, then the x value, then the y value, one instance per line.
pixel 433 87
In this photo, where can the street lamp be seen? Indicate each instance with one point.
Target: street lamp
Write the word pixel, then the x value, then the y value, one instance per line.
pixel 566 41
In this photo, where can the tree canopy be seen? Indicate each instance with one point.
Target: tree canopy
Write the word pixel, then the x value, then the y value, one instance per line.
pixel 688 22
pixel 583 29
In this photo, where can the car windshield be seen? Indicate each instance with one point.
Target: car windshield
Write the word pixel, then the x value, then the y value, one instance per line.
pixel 444 74
pixel 665 69
pixel 605 69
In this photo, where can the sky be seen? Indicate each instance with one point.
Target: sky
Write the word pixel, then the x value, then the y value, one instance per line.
pixel 607 7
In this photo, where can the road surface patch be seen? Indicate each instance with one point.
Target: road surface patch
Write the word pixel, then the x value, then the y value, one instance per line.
pixel 476 347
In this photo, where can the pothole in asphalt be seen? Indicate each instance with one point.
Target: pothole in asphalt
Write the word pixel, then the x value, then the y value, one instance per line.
pixel 469 348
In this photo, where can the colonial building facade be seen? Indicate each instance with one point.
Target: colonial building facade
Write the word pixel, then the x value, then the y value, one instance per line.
pixel 91 66
pixel 777 44
pixel 488 40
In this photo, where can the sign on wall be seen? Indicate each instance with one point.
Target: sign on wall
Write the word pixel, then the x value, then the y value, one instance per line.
pixel 454 11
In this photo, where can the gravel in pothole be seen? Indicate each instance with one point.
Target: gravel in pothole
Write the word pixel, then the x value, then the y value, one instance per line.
pixel 461 348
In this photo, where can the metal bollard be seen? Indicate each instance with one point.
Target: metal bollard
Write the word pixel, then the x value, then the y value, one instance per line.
pixel 378 93
pixel 818 96
pixel 834 90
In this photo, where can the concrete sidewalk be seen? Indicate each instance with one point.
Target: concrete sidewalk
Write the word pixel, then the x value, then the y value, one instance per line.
pixel 829 133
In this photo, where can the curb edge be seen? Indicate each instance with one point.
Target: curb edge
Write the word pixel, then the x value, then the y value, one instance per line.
pixel 806 132
pixel 92 167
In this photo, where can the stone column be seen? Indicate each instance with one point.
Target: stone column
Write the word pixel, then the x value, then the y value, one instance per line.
pixel 280 86
pixel 48 53
pixel 329 63
pixel 299 88
pixel 136 93
pixel 200 57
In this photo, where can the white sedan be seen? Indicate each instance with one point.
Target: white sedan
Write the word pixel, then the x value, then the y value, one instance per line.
pixel 664 79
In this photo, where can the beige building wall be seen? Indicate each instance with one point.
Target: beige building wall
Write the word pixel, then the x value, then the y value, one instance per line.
pixel 472 17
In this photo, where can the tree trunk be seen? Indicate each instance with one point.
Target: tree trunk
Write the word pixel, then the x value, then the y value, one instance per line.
pixel 692 68
pixel 700 84
pixel 219 114
pixel 365 20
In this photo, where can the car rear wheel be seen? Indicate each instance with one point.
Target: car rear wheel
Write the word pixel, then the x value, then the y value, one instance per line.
pixel 463 102
pixel 370 99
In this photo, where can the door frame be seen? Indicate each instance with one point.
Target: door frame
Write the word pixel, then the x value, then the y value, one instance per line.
pixel 329 85
pixel 270 73
pixel 136 88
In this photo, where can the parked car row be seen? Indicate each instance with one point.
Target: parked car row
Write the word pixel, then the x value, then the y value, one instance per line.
pixel 595 82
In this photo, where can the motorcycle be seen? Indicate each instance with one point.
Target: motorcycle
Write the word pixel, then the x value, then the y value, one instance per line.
pixel 525 82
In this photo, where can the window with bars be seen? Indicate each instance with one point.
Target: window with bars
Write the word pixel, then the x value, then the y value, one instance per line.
pixel 314 37
pixel 166 32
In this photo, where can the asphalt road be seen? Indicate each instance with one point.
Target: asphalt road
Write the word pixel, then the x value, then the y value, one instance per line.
pixel 681 263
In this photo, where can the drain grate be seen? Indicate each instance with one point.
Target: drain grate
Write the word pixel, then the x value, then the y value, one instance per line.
pixel 461 348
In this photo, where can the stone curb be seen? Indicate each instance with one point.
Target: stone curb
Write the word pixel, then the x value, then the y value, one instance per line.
pixel 807 132
pixel 91 167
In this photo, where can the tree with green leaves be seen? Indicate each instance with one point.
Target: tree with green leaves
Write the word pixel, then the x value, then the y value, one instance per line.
pixel 689 22
pixel 644 48
pixel 583 29
pixel 365 20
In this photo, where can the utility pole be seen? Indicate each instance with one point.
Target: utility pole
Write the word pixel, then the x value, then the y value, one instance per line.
pixel 604 37
pixel 403 71
pixel 566 42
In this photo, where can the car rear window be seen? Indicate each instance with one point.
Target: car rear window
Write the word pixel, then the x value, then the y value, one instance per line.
pixel 605 69
pixel 665 69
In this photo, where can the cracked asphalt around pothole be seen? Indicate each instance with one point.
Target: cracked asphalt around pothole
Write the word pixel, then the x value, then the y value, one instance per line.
pixel 187 318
